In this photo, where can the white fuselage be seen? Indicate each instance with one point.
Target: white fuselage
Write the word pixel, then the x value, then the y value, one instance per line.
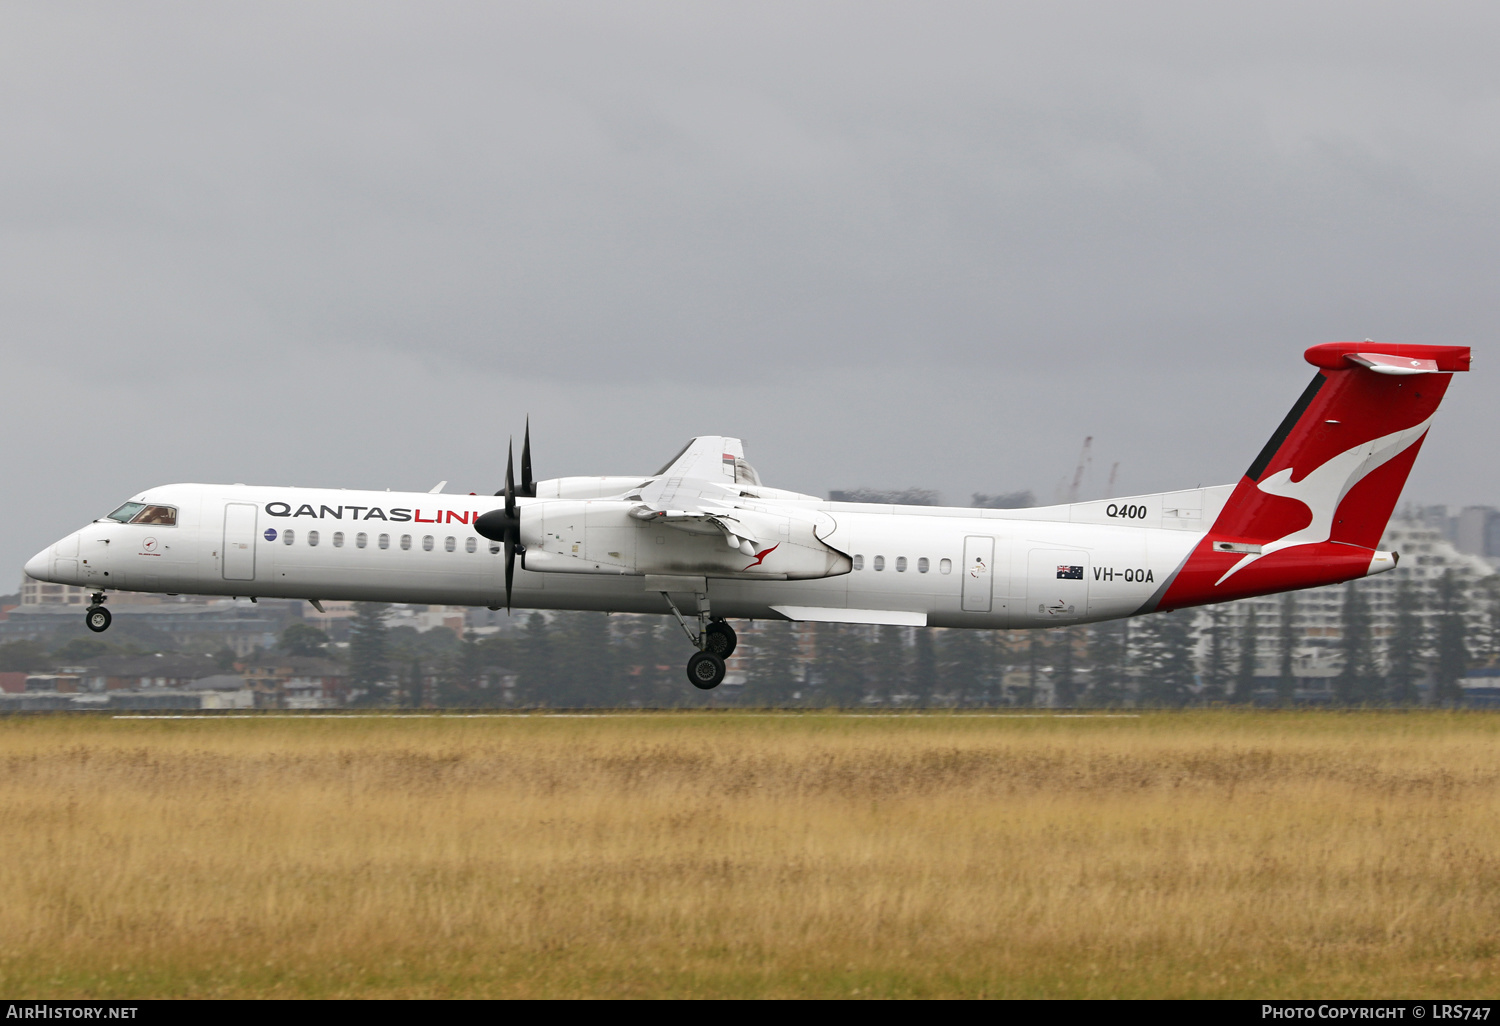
pixel 943 567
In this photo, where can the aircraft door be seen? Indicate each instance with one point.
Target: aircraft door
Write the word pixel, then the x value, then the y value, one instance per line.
pixel 1057 586
pixel 979 573
pixel 239 541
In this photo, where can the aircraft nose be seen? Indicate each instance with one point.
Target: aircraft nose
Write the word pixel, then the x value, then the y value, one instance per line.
pixel 39 566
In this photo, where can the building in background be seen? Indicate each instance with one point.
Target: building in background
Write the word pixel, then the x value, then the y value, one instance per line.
pixel 295 682
pixel 1426 539
pixel 333 619
pixel 1476 532
pixel 427 618
pixel 191 624
pixel 40 593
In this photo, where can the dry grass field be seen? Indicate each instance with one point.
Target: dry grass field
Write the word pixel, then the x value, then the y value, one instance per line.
pixel 731 854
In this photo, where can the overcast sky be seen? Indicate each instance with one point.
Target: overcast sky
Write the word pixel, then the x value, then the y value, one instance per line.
pixel 915 244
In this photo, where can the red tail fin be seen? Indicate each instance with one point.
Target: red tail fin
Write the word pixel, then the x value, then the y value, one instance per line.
pixel 1313 505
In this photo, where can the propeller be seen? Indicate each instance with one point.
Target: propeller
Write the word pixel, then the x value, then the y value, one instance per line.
pixel 504 525
pixel 528 486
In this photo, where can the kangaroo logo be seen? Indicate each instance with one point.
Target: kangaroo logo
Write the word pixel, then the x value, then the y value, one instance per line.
pixel 762 554
pixel 1323 490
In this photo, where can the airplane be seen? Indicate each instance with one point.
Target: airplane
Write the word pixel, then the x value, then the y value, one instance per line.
pixel 704 541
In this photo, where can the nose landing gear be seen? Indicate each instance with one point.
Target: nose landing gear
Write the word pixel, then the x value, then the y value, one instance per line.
pixel 96 618
pixel 715 640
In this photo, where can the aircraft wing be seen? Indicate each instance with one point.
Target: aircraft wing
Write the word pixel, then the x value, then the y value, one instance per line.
pixel 697 492
pixel 706 458
pixel 707 469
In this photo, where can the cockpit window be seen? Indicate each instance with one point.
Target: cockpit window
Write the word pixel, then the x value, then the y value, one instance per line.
pixel 141 513
pixel 125 512
pixel 162 516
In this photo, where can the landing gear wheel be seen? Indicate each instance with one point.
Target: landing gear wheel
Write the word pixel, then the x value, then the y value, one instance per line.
pixel 705 670
pixel 97 619
pixel 720 639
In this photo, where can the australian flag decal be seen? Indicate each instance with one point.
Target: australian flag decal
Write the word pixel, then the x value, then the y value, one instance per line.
pixel 1070 573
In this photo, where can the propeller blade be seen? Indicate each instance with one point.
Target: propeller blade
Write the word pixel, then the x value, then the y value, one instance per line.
pixel 510 481
pixel 510 569
pixel 528 485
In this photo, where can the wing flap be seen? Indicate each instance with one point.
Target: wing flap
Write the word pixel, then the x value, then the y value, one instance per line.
pixel 732 524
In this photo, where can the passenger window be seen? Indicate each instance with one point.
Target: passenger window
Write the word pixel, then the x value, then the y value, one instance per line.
pixel 426 543
pixel 361 540
pixel 859 562
pixel 405 541
pixel 945 566
pixel 922 565
pixel 879 562
pixel 385 541
pixel 338 539
pixel 494 548
pixel 900 564
pixel 470 545
pixel 450 543
pixel 312 538
pixel 288 536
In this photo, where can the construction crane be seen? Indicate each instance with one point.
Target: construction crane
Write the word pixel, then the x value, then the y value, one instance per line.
pixel 1084 458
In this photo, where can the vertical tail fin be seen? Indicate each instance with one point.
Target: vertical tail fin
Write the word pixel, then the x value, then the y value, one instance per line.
pixel 1314 504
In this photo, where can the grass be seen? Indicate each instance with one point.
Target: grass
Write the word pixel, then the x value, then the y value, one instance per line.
pixel 1202 854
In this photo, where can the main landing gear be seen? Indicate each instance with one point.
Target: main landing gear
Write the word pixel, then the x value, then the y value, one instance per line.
pixel 715 641
pixel 705 670
pixel 720 639
pixel 96 617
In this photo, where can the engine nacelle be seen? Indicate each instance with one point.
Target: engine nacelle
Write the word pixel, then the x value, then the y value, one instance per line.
pixel 586 487
pixel 602 537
